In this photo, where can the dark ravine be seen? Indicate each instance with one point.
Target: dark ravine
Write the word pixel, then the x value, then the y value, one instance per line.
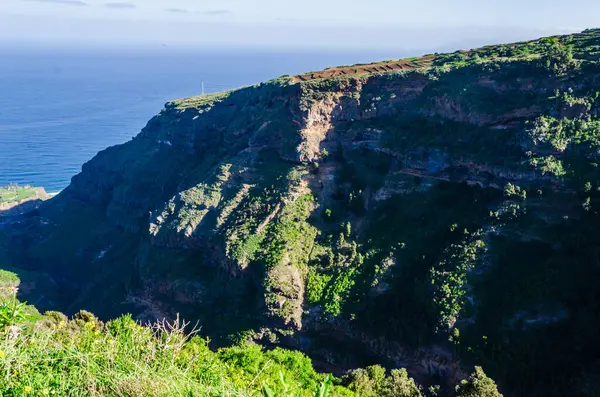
pixel 431 217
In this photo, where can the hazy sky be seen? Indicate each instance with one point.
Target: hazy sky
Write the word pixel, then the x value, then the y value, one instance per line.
pixel 306 23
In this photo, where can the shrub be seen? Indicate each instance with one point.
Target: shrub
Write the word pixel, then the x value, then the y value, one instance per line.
pixel 373 382
pixel 11 310
pixel 559 58
pixel 477 385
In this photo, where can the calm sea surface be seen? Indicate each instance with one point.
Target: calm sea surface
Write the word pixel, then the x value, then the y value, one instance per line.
pixel 58 108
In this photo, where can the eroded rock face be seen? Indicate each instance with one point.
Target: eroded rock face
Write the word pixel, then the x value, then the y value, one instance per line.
pixel 286 293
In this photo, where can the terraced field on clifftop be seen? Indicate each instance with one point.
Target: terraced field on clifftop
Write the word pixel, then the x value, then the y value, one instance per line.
pixel 378 67
pixel 523 50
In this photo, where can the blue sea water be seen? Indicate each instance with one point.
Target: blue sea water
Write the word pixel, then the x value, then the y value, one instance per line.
pixel 59 107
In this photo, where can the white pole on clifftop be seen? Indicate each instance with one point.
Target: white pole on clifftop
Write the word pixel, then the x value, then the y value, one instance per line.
pixel 203 88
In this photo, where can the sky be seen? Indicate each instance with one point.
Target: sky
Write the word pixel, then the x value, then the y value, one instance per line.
pixel 284 23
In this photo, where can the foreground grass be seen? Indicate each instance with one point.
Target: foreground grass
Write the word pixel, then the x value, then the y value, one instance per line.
pixel 84 357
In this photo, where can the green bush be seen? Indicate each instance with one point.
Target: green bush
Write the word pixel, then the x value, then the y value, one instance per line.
pixel 373 382
pixel 477 385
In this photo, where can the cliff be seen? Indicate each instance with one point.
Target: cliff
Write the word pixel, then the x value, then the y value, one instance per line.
pixel 430 214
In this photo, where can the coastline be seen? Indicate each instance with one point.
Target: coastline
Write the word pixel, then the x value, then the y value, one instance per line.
pixel 17 200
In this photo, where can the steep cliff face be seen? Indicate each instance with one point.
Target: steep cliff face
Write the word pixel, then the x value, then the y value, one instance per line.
pixel 428 217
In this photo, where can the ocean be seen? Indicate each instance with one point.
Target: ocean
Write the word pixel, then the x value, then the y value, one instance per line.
pixel 59 107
